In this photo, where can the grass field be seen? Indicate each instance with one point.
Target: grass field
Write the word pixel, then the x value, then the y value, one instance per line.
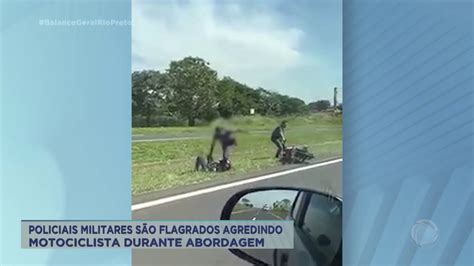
pixel 164 165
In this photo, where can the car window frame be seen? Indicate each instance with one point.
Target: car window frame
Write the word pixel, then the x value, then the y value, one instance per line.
pixel 298 223
pixel 296 206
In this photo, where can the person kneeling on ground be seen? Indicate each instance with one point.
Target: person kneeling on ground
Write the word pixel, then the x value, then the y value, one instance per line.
pixel 278 138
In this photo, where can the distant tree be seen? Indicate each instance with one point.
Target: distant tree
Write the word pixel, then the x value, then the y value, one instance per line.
pixel 190 90
pixel 268 103
pixel 193 85
pixel 291 105
pixel 235 98
pixel 149 94
pixel 319 106
pixel 243 98
pixel 285 204
pixel 225 97
pixel 276 204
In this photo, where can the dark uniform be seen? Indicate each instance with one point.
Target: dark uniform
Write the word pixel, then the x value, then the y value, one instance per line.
pixel 227 140
pixel 278 138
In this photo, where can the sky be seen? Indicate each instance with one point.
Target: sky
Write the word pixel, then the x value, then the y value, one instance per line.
pixel 291 47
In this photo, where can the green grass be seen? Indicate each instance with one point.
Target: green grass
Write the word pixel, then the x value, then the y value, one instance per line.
pixel 245 123
pixel 164 165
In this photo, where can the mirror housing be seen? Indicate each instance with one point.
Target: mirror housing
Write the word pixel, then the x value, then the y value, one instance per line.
pixel 256 202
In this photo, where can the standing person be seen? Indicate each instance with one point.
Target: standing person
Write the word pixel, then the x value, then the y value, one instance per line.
pixel 227 140
pixel 278 138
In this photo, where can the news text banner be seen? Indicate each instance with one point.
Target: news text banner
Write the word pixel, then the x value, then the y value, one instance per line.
pixel 157 234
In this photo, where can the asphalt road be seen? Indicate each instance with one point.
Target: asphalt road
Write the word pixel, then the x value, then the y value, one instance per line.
pixel 254 214
pixel 208 207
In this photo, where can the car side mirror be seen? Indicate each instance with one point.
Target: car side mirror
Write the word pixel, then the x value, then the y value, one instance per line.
pixel 283 203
